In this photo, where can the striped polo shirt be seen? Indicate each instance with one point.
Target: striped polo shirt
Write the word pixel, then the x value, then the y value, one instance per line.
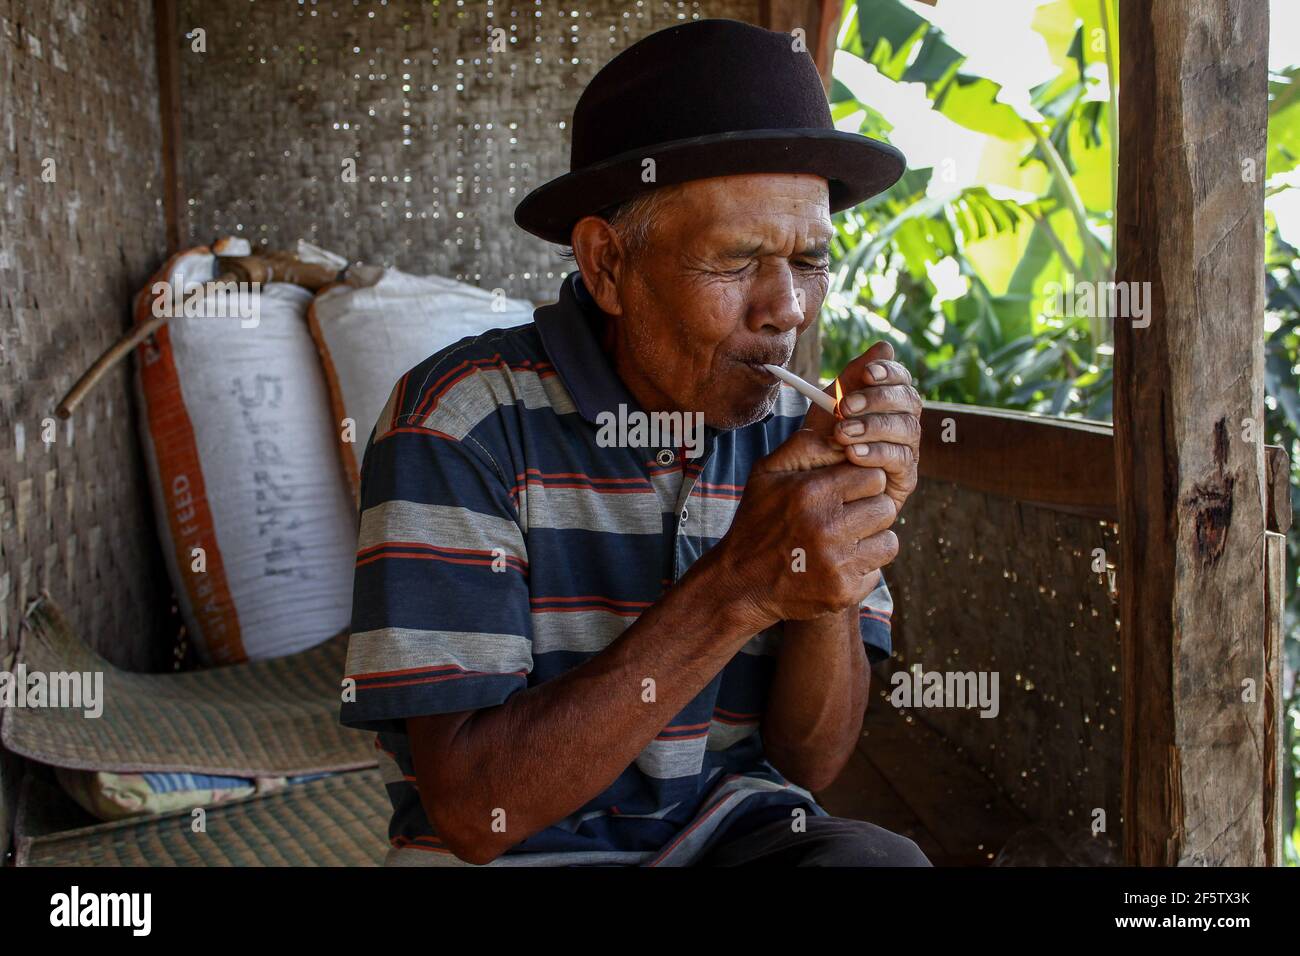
pixel 501 544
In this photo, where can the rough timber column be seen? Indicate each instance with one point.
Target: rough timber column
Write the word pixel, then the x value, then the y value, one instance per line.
pixel 1188 428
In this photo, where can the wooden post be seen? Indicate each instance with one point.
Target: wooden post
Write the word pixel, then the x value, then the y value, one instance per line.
pixel 1190 221
pixel 166 41
pixel 820 19
pixel 1275 760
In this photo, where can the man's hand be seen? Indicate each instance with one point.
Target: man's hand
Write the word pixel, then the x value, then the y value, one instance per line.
pixel 811 532
pixel 549 750
pixel 882 417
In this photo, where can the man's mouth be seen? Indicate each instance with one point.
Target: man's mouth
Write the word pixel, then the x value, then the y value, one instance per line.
pixel 758 370
pixel 756 364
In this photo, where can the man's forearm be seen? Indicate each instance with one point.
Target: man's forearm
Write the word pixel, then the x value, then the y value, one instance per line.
pixel 817 700
pixel 550 749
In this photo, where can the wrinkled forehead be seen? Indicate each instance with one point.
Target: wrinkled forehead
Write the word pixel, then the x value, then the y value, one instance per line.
pixel 754 207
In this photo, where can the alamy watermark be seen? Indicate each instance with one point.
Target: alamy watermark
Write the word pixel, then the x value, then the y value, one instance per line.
pixel 73 690
pixel 638 429
pixel 964 689
pixel 75 908
pixel 211 300
pixel 1100 300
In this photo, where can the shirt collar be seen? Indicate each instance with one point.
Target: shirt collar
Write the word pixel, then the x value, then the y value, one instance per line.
pixel 570 331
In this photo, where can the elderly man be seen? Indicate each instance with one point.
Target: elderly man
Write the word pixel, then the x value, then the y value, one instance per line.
pixel 584 644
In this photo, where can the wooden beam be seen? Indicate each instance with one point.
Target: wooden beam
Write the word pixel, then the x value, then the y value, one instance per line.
pixel 166 46
pixel 828 28
pixel 820 21
pixel 1190 221
pixel 1065 464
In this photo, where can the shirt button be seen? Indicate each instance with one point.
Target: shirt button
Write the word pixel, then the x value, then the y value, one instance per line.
pixel 665 457
pixel 685 514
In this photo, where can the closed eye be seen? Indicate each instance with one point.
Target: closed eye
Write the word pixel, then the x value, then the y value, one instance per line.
pixel 817 265
pixel 735 272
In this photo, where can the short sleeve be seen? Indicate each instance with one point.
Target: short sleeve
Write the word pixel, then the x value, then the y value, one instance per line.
pixel 874 614
pixel 440 609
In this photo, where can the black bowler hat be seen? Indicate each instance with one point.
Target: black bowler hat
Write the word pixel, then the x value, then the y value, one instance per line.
pixel 706 98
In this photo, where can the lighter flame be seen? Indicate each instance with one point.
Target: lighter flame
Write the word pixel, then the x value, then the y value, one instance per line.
pixel 839 394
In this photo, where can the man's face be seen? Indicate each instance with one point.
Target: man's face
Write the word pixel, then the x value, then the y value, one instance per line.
pixel 736 268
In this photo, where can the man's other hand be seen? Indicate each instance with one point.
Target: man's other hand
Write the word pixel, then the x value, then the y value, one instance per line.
pixel 882 423
pixel 811 532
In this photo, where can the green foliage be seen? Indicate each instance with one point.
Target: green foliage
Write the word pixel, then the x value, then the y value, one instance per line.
pixel 999 342
pixel 961 273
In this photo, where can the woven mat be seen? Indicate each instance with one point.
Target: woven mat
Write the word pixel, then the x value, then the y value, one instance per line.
pixel 335 821
pixel 265 718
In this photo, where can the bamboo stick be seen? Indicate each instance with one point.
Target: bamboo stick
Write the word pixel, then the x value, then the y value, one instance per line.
pixel 270 267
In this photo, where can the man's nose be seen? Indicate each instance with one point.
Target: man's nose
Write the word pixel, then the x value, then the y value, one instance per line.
pixel 777 303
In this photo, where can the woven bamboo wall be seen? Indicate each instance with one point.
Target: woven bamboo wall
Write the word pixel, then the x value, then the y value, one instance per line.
pixel 984 583
pixel 79 89
pixel 446 137
pixel 80 103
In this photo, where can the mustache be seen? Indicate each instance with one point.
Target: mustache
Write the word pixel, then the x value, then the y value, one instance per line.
pixel 766 355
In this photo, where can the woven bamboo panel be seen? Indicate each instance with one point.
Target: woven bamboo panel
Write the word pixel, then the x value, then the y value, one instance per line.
pixel 447 137
pixel 340 820
pixel 988 584
pixel 80 105
pixel 274 717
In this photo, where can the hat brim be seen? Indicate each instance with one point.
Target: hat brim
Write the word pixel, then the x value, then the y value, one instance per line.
pixel 856 167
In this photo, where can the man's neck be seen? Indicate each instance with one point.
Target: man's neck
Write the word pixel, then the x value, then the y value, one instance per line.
pixel 622 361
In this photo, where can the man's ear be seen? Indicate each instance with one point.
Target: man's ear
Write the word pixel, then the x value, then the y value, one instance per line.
pixel 599 253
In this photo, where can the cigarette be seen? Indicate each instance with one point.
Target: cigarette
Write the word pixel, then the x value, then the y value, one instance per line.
pixel 807 389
